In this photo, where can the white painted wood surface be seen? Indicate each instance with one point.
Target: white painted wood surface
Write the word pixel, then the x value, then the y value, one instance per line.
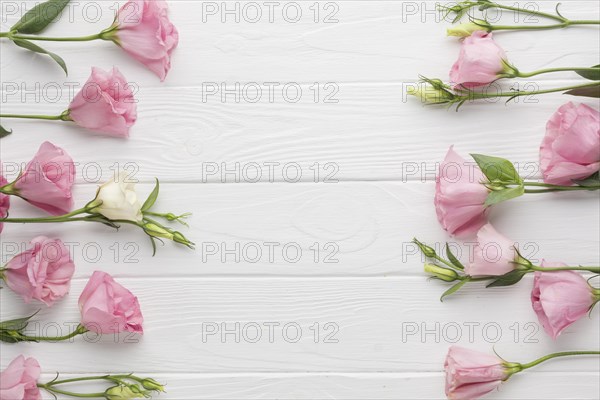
pixel 370 290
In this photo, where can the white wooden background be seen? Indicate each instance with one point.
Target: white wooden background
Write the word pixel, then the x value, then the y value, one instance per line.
pixel 376 138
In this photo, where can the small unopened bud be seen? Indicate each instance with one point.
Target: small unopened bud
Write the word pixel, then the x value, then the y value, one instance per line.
pixel 466 29
pixel 124 392
pixel 427 251
pixel 430 94
pixel 445 274
pixel 151 384
pixel 157 231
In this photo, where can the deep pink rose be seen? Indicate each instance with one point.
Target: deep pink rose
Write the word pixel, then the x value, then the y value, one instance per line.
pixel 4 202
pixel 560 298
pixel 471 374
pixel 105 104
pixel 47 180
pixel 459 196
pixel 479 63
pixel 146 33
pixel 107 307
pixel 43 272
pixel 19 380
pixel 494 254
pixel 571 148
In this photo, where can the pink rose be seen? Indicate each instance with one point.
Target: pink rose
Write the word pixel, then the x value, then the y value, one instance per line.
pixel 47 180
pixel 494 254
pixel 560 298
pixel 471 374
pixel 43 272
pixel 107 307
pixel 19 380
pixel 105 104
pixel 480 62
pixel 143 30
pixel 459 196
pixel 571 148
pixel 4 202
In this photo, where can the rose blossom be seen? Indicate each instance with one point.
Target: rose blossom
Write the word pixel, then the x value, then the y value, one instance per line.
pixel 143 29
pixel 19 380
pixel 571 148
pixel 560 298
pixel 43 272
pixel 471 374
pixel 105 104
pixel 4 202
pixel 479 63
pixel 459 196
pixel 47 180
pixel 494 254
pixel 107 307
pixel 118 200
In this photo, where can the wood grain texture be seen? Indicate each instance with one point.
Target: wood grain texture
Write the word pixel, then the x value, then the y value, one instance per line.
pixel 380 147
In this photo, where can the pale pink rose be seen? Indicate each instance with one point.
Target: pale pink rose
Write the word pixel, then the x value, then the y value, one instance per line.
pixel 107 307
pixel 471 374
pixel 571 148
pixel 560 298
pixel 479 63
pixel 19 380
pixel 146 33
pixel 47 180
pixel 459 196
pixel 4 202
pixel 43 272
pixel 105 104
pixel 494 254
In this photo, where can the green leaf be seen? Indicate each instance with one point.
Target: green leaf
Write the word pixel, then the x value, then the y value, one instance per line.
pixel 3 132
pixel 152 198
pixel 16 324
pixel 508 279
pixel 591 182
pixel 593 91
pixel 498 196
pixel 453 259
pixel 497 169
pixel 591 75
pixel 454 289
pixel 26 44
pixel 40 16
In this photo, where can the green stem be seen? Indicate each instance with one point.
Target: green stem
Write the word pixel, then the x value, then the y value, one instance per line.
pixel 549 70
pixel 52 39
pixel 44 117
pixel 54 390
pixel 595 270
pixel 60 218
pixel 556 355
pixel 469 95
pixel 111 378
pixel 540 27
pixel 79 331
pixel 531 12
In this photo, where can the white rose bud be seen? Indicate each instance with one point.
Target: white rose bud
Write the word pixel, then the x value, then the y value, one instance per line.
pixel 117 200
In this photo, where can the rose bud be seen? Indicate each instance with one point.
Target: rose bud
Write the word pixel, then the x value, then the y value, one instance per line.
pixel 480 62
pixel 47 180
pixel 571 148
pixel 4 202
pixel 471 374
pixel 494 254
pixel 118 200
pixel 19 380
pixel 107 307
pixel 143 29
pixel 42 273
pixel 467 29
pixel 105 104
pixel 459 196
pixel 561 298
